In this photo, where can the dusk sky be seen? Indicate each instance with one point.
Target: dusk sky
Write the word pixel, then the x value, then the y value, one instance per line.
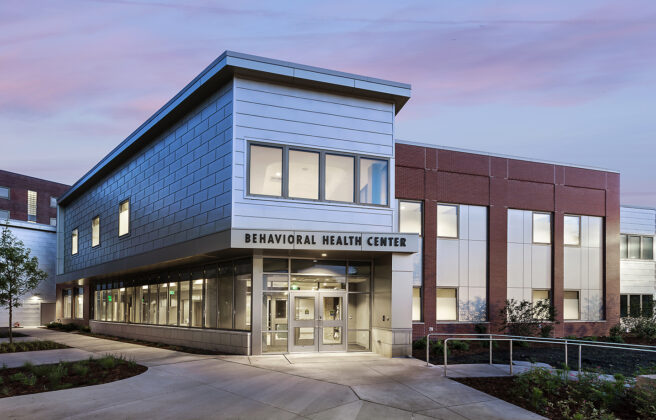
pixel 567 81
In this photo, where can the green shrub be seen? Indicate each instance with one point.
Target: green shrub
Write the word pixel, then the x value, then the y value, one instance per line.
pixel 545 330
pixel 644 401
pixel 85 329
pixel 419 344
pixel 458 345
pixel 642 327
pixel 480 328
pixel 107 362
pixel 80 368
pixel 437 348
pixel 18 377
pixel 525 318
pixel 55 375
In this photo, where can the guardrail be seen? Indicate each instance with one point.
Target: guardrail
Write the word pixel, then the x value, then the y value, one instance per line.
pixel 511 338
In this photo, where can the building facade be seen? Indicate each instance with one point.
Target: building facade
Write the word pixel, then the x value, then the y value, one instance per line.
pixel 28 207
pixel 268 208
pixel 637 265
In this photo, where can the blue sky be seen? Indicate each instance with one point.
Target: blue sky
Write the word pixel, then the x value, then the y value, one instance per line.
pixel 559 80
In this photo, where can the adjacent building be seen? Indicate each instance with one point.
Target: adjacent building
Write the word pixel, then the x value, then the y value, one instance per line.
pixel 28 206
pixel 268 208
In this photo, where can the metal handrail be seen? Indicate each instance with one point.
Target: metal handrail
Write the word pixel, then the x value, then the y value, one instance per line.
pixel 512 338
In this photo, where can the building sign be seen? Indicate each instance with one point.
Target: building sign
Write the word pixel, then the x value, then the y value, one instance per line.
pixel 345 241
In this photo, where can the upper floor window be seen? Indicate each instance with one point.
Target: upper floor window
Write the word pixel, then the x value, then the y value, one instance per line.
pixel 635 247
pixel 287 172
pixel 447 221
pixel 31 206
pixel 53 202
pixel 572 234
pixel 4 215
pixel 53 221
pixel 4 192
pixel 410 220
pixel 74 236
pixel 541 228
pixel 95 231
pixel 124 218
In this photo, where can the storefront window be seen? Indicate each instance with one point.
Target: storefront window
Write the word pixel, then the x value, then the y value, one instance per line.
pixel 67 302
pixel 197 281
pixel 78 309
pixel 173 296
pixel 152 311
pixel 185 302
pixel 225 295
pixel 211 297
pixel 242 286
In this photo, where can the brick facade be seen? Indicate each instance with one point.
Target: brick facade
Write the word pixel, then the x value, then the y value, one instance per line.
pixel 17 204
pixel 435 175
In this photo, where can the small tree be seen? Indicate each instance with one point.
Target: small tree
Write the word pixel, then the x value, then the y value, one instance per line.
pixel 19 273
pixel 527 318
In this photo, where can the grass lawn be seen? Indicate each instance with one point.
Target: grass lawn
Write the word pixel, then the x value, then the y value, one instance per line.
pixel 30 379
pixel 19 346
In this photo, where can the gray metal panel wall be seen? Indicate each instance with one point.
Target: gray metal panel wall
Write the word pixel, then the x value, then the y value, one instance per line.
pixel 637 276
pixel 179 188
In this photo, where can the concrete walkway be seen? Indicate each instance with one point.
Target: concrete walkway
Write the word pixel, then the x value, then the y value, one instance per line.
pixel 325 386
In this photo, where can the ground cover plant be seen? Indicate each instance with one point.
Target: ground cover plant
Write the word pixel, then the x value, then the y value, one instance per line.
pixel 555 396
pixel 30 346
pixel 30 379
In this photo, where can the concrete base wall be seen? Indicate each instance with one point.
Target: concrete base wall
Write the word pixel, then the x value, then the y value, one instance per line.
pixel 233 342
pixel 390 342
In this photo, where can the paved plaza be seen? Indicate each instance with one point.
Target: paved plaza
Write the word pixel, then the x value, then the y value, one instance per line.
pixel 313 386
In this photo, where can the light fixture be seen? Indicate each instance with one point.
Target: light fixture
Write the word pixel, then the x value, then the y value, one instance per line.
pixel 324 254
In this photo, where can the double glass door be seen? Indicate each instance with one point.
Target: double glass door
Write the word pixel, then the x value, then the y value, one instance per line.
pixel 317 321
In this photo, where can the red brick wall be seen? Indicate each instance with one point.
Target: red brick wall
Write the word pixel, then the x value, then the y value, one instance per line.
pixel 17 204
pixel 435 175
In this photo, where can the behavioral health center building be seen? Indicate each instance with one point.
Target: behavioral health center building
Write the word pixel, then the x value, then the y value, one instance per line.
pixel 268 208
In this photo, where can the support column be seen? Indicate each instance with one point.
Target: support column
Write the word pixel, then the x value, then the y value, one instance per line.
pixel 256 306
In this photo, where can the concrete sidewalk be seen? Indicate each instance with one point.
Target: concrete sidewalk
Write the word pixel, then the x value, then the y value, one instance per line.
pixel 324 386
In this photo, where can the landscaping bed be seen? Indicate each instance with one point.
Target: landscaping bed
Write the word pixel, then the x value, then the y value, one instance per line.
pixel 30 379
pixel 5 334
pixel 21 346
pixel 556 397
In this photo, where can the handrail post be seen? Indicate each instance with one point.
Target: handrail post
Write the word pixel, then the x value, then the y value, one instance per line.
pixel 511 363
pixel 490 348
pixel 566 358
pixel 427 347
pixel 579 360
pixel 445 354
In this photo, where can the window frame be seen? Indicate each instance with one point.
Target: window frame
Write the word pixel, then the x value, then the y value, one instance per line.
pixel 99 238
pixel 573 216
pixel 437 223
pixel 119 218
pixel 322 174
pixel 641 251
pixel 533 241
pixel 578 299
pixel 457 318
pixel 75 233
pixel 421 209
pixel 8 197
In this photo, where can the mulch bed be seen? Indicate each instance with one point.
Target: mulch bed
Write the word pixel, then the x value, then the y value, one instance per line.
pixel 37 345
pixel 96 375
pixel 504 388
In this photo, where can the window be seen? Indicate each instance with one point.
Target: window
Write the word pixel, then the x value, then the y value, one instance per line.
pixel 572 234
pixel 410 217
pixel 304 175
pixel 373 181
pixel 571 305
pixel 540 296
pixel 636 306
pixel 4 192
pixel 541 228
pixel 446 305
pixel 447 221
pixel 340 175
pixel 636 247
pixel 124 218
pixel 31 206
pixel 74 242
pixel 95 231
pixel 53 221
pixel 67 298
pixel 4 215
pixel 265 171
pixel 78 303
pixel 416 304
pixel 53 202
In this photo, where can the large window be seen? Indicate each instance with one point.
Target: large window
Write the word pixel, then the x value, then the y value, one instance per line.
pixel 416 304
pixel 95 231
pixel 74 236
pixel 410 217
pixel 447 221
pixel 571 305
pixel 4 192
pixel 636 247
pixel 636 306
pixel 410 221
pixel 340 173
pixel 572 234
pixel 78 303
pixel 67 303
pixel 446 308
pixel 124 218
pixel 31 206
pixel 287 172
pixel 541 228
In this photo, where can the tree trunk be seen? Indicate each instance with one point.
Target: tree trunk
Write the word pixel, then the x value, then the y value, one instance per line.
pixel 11 337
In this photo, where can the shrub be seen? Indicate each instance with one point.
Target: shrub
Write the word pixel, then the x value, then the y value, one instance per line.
pixel 525 318
pixel 480 328
pixel 458 345
pixel 107 362
pixel 419 344
pixel 642 327
pixel 644 401
pixel 55 375
pixel 545 330
pixel 80 369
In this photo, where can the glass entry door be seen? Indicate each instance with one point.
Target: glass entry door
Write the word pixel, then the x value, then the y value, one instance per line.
pixel 317 321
